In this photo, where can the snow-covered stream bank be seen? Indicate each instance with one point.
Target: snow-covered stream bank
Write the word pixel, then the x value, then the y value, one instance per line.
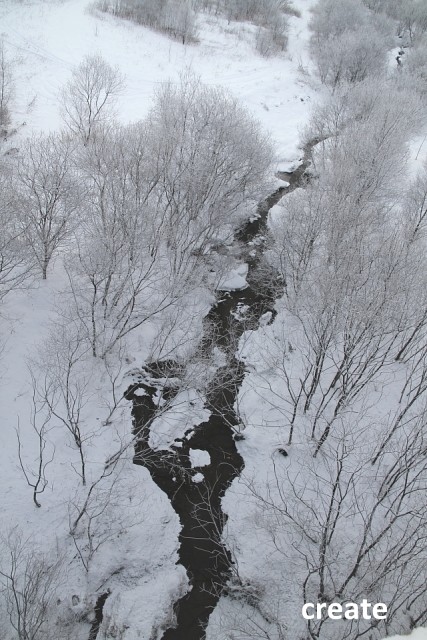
pixel 196 492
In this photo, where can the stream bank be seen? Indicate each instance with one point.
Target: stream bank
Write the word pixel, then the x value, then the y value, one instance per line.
pixel 202 551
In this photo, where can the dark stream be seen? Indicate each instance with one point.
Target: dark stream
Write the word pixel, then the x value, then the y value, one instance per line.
pixel 98 615
pixel 198 505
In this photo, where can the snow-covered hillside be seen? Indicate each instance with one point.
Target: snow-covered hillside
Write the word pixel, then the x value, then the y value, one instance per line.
pixel 159 220
pixel 49 39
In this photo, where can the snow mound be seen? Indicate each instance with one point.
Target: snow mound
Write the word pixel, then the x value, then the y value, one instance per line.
pixel 235 280
pixel 199 477
pixel 199 458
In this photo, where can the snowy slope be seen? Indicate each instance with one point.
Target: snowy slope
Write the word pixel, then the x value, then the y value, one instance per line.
pixel 49 38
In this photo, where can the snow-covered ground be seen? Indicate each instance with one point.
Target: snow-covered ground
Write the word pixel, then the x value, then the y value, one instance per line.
pixel 138 561
pixel 49 38
pixel 417 634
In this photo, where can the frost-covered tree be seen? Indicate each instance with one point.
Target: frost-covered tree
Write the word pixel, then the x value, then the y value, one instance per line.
pixel 355 530
pixel 28 582
pixel 349 42
pixel 176 18
pixel 46 194
pixel 89 96
pixel 15 259
pixel 161 194
pixel 414 68
pixel 116 279
pixel 179 20
pixel 214 163
pixel 344 258
pixel 412 17
pixel 6 86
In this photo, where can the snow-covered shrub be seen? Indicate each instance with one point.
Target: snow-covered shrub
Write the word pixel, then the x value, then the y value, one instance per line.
pixel 88 98
pixel 28 582
pixel 270 40
pixel 350 57
pixel 349 42
pixel 410 16
pixel 176 18
pixel 6 86
pixel 415 68
pixel 250 10
pixel 160 194
pixel 268 15
pixel 275 25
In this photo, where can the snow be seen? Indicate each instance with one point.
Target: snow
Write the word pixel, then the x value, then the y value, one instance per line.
pixel 186 410
pixel 275 213
pixel 140 393
pixel 199 458
pixel 417 634
pixel 235 280
pixel 47 39
pixel 198 477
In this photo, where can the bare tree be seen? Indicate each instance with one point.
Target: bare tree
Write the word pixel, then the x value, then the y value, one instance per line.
pixel 114 370
pixel 46 195
pixel 214 163
pixel 412 18
pixel 15 259
pixel 414 69
pixel 161 194
pixel 40 419
pixel 88 98
pixel 116 273
pixel 347 264
pixel 28 581
pixel 414 210
pixel 6 86
pixel 99 515
pixel 349 41
pixel 63 384
pixel 176 18
pixel 349 543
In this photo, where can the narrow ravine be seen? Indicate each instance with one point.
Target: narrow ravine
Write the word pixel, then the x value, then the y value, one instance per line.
pixel 98 615
pixel 198 504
